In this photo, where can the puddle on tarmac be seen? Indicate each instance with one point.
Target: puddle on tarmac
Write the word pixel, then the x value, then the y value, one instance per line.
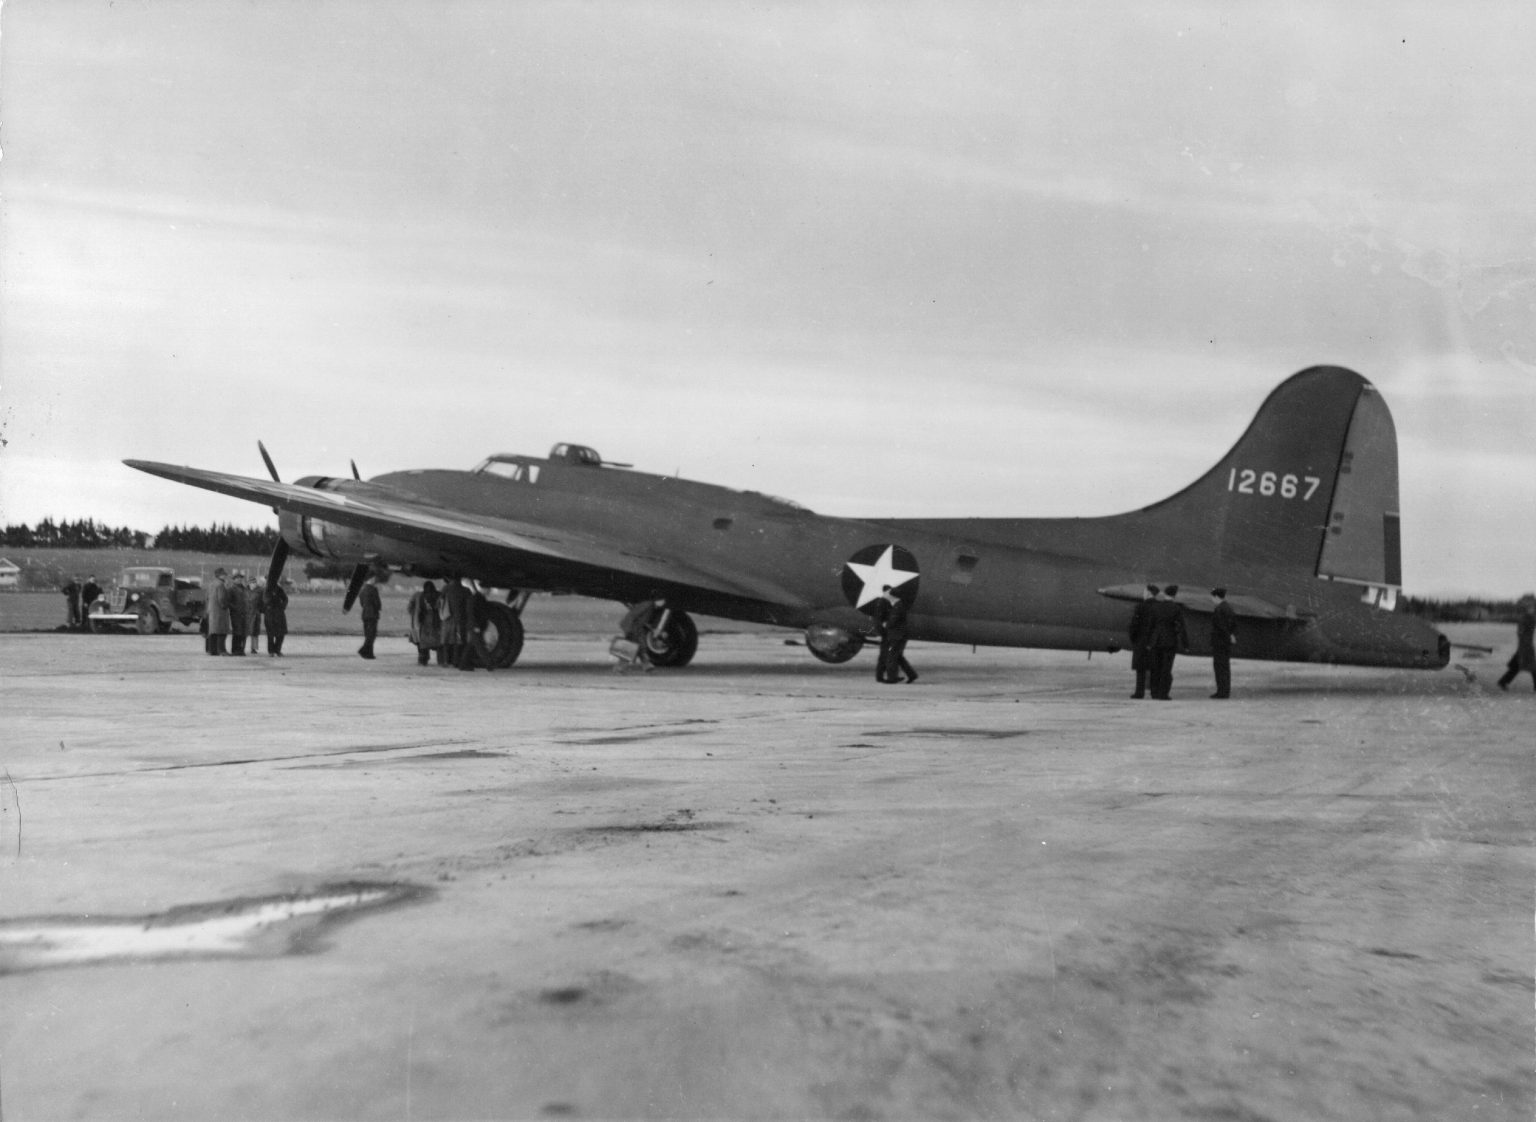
pixel 257 927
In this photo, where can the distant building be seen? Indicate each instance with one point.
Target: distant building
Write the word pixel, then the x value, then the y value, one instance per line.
pixel 10 575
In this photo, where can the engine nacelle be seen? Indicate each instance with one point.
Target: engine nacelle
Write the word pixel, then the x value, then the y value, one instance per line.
pixel 832 642
pixel 312 537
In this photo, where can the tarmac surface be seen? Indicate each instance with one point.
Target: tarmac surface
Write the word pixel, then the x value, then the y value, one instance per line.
pixel 318 887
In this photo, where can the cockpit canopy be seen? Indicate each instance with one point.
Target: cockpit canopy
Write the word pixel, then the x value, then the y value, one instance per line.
pixel 525 469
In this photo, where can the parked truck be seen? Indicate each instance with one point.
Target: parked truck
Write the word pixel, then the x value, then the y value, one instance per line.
pixel 149 599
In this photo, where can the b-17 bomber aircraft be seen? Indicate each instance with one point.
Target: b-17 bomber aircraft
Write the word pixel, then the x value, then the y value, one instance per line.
pixel 1299 522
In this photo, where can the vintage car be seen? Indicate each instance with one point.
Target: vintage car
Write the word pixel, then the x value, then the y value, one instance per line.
pixel 149 599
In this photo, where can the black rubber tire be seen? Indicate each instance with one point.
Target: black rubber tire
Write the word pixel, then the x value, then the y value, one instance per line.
pixel 676 644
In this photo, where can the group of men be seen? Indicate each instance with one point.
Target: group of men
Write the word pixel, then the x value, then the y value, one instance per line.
pixel 78 598
pixel 451 623
pixel 236 610
pixel 1158 633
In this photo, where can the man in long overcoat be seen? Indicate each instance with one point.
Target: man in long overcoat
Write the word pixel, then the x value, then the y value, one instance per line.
pixel 1169 637
pixel 1141 637
pixel 72 601
pixel 455 621
pixel 218 613
pixel 276 603
pixel 238 604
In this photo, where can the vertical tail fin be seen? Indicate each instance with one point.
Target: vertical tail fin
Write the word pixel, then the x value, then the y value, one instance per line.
pixel 1311 486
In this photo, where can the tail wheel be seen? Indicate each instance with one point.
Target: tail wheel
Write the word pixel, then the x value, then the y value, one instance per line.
pixel 149 621
pixel 503 635
pixel 674 644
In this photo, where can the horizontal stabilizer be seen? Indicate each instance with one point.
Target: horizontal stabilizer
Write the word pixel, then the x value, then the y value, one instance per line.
pixel 1244 604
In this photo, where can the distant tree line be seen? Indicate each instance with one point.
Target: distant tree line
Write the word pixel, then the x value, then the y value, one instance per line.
pixel 1469 610
pixel 87 533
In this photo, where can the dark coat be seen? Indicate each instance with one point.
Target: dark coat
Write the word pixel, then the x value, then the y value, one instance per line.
pixel 1140 633
pixel 238 603
pixel 1166 624
pixel 455 613
pixel 1525 642
pixel 368 600
pixel 276 603
pixel 896 621
pixel 1223 626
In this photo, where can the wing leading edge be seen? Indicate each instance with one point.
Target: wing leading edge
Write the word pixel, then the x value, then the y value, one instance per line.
pixel 391 515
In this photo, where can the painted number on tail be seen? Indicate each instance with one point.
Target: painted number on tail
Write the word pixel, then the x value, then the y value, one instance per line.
pixel 1246 481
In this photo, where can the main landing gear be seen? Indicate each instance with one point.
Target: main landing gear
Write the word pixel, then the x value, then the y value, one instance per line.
pixel 673 639
pixel 504 634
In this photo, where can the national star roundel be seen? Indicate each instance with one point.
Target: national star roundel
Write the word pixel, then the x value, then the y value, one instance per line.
pixel 875 566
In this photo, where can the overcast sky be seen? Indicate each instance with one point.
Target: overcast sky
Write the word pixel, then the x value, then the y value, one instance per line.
pixel 886 259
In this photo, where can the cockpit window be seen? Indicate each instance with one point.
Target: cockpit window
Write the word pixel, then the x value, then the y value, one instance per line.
pixel 508 469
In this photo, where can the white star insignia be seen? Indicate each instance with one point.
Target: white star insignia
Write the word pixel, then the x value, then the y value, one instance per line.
pixel 875 577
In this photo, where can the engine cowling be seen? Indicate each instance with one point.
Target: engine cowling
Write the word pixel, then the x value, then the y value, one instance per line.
pixel 833 642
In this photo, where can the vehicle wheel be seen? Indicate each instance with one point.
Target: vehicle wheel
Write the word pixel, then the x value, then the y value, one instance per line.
pixel 675 644
pixel 149 621
pixel 99 628
pixel 503 635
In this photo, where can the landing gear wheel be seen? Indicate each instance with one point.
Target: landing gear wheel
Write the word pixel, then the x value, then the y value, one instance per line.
pixel 148 622
pixel 503 636
pixel 674 644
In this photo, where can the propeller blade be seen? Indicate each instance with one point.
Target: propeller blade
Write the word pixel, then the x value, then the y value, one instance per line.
pixel 275 566
pixel 354 471
pixel 359 578
pixel 268 459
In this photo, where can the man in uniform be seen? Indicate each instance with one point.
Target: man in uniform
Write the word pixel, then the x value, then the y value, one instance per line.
pixel 1169 637
pixel 218 613
pixel 1140 636
pixel 1223 635
pixel 890 616
pixel 373 607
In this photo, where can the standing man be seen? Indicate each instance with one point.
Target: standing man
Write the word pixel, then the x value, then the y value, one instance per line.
pixel 891 619
pixel 218 613
pixel 255 605
pixel 238 605
pixel 373 607
pixel 455 621
pixel 1223 635
pixel 276 604
pixel 1141 636
pixel 474 651
pixel 1169 637
pixel 1524 658
pixel 72 602
pixel 88 596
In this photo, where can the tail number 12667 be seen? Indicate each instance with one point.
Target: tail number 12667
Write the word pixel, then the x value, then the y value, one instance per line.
pixel 1246 481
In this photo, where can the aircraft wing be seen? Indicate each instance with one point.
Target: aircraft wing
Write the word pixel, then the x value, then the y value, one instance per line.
pixel 1243 603
pixel 391 514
